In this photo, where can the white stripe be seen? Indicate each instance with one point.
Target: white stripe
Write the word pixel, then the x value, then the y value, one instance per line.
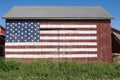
pixel 49 43
pixel 49 49
pixel 68 32
pixel 29 50
pixel 67 26
pixel 50 55
pixel 68 37
pixel 79 49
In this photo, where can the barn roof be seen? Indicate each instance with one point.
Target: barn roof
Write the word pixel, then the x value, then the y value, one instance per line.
pixel 57 12
pixel 2 27
pixel 116 33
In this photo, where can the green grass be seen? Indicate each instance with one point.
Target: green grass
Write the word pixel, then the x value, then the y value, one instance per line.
pixel 37 70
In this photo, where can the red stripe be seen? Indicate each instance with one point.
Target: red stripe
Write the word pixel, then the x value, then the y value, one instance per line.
pixel 68 29
pixel 68 40
pixel 52 52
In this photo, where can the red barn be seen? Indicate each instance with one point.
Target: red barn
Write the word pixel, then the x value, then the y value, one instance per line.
pixel 115 40
pixel 2 41
pixel 77 33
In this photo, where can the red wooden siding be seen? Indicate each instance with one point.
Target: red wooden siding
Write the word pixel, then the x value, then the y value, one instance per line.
pixel 103 41
pixel 2 31
pixel 2 41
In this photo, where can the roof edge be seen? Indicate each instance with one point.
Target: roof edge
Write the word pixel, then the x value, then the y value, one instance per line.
pixel 2 27
pixel 76 18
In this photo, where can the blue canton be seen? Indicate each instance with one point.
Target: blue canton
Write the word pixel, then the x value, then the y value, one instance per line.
pixel 23 32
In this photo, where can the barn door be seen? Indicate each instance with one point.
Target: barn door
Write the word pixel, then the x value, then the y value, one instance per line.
pixel 65 41
pixel 49 40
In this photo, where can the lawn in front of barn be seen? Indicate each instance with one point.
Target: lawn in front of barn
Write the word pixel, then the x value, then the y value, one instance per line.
pixel 38 70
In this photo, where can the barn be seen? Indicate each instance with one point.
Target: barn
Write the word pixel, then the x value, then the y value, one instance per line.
pixel 115 40
pixel 2 41
pixel 75 33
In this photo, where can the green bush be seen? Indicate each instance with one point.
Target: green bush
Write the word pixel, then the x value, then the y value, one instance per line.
pixel 37 70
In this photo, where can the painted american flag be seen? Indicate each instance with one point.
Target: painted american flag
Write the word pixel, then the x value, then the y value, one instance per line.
pixel 48 40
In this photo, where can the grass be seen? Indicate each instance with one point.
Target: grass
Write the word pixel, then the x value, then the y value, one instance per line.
pixel 37 70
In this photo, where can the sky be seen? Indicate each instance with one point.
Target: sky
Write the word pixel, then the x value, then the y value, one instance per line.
pixel 112 6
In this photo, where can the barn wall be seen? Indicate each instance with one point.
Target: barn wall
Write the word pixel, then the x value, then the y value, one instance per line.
pixel 103 38
pixel 2 31
pixel 115 44
pixel 2 41
pixel 2 46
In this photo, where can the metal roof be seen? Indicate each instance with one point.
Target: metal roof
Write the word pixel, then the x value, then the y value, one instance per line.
pixel 2 27
pixel 57 12
pixel 116 32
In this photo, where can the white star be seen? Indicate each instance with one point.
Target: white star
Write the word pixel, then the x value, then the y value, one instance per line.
pixel 28 33
pixel 11 25
pixel 37 35
pixel 29 25
pixel 12 40
pixel 15 24
pixel 34 37
pixel 34 33
pixel 38 23
pixel 15 34
pixel 26 23
pixel 22 24
pixel 22 29
pixel 19 23
pixel 25 26
pixel 25 31
pixel 18 40
pixel 10 29
pixel 7 27
pixel 7 23
pixel 28 37
pixel 25 35
pixel 28 29
pixel 18 34
pixel 31 22
pixel 18 31
pixel 18 26
pixel 15 29
pixel 10 37
pixel 31 36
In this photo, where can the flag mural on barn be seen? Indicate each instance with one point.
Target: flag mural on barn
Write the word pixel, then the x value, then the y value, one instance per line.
pixel 77 33
pixel 39 40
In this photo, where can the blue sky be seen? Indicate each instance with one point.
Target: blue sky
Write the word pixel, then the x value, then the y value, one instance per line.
pixel 112 6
